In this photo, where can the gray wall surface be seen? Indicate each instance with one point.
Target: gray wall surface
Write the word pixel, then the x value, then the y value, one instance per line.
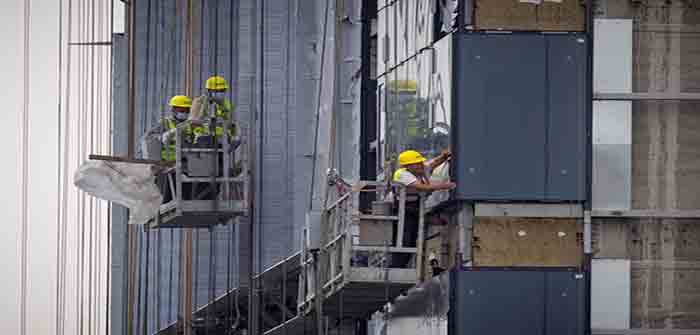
pixel 520 117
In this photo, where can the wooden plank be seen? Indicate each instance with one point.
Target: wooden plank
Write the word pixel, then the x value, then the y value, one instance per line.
pixel 507 241
pixel 515 15
pixel 569 15
pixel 504 15
pixel 130 160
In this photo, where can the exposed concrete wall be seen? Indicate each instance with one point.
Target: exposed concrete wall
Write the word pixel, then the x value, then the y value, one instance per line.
pixel 665 136
pixel 665 255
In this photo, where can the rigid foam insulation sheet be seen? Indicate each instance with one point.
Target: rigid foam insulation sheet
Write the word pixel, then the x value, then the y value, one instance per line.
pixel 513 241
pixel 665 267
pixel 565 15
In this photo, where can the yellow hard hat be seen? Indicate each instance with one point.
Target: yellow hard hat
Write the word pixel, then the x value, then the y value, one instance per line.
pixel 217 83
pixel 409 157
pixel 403 85
pixel 181 101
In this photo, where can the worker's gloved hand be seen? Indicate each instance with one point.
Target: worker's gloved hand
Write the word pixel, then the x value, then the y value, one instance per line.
pixel 449 185
pixel 167 136
pixel 216 100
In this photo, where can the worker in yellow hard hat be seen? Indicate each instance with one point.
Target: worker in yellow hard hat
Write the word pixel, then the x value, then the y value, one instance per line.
pixel 178 117
pixel 412 172
pixel 217 87
pixel 179 111
pixel 414 175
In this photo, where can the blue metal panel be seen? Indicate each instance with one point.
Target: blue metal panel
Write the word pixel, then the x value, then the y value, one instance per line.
pixel 564 313
pixel 497 302
pixel 499 91
pixel 532 301
pixel 520 117
pixel 566 130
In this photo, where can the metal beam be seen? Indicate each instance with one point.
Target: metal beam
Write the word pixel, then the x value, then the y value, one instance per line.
pixel 646 331
pixel 129 160
pixel 645 213
pixel 99 43
pixel 529 210
pixel 678 96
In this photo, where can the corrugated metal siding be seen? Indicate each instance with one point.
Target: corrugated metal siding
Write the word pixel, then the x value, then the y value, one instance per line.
pixel 275 169
pixel 119 213
pixel 286 122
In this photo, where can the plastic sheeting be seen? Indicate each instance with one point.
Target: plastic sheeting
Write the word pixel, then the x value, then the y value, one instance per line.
pixel 128 184
pixel 440 174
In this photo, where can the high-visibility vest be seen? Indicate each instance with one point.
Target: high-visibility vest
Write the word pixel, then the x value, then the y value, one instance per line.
pixel 167 153
pixel 410 196
pixel 223 111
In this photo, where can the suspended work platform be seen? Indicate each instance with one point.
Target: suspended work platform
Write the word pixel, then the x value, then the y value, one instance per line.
pixel 362 262
pixel 208 184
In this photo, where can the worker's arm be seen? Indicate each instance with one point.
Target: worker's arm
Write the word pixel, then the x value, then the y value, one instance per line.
pixel 436 186
pixel 437 161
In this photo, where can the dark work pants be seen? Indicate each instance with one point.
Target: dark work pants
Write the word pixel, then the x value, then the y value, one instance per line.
pixel 410 233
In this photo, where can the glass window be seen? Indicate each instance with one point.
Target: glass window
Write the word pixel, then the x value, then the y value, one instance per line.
pixel 381 41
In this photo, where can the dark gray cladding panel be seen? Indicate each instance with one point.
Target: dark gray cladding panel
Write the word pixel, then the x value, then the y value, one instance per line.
pixel 565 304
pixel 567 117
pixel 496 302
pixel 500 113
pixel 535 301
pixel 519 117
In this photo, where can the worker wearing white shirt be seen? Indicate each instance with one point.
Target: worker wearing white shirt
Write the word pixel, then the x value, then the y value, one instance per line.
pixel 413 173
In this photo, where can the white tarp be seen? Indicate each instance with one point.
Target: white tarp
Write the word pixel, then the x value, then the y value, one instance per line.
pixel 439 174
pixel 128 184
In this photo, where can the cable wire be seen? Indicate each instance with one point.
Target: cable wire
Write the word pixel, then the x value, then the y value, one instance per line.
pixel 59 209
pixel 24 167
pixel 318 105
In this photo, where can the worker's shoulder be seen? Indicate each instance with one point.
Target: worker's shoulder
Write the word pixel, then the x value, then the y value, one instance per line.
pixel 404 176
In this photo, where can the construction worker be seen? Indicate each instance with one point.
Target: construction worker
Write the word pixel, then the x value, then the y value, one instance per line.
pixel 414 175
pixel 217 87
pixel 179 112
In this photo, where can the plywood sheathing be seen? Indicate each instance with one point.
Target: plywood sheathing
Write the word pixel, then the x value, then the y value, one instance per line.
pixel 510 241
pixel 568 15
pixel 665 135
pixel 665 255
